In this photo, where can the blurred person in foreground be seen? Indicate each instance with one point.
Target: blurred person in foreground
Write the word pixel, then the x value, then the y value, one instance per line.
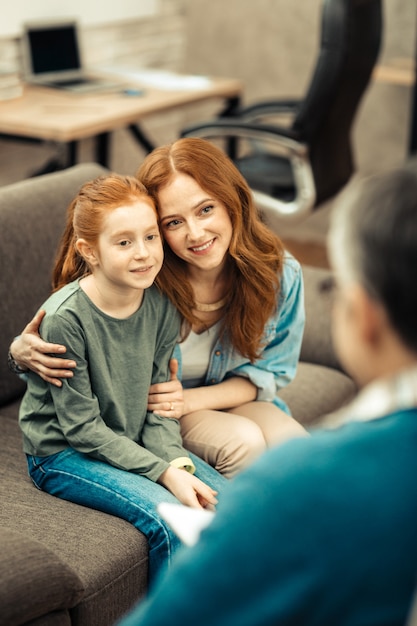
pixel 322 530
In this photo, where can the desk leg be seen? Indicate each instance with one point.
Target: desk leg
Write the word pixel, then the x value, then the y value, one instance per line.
pixel 72 153
pixel 103 144
pixel 141 138
pixel 231 108
pixel 102 149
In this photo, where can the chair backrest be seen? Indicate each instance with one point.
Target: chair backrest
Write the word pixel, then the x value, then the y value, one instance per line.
pixel 351 34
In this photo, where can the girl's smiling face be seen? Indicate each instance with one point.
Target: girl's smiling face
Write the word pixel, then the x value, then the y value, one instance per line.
pixel 196 226
pixel 129 251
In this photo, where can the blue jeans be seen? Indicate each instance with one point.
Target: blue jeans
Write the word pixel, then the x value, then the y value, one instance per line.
pixel 84 480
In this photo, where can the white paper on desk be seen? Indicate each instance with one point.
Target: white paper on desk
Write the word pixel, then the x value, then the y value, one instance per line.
pixel 186 522
pixel 160 79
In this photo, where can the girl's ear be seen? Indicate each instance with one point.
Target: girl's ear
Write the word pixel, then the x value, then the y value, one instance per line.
pixel 86 251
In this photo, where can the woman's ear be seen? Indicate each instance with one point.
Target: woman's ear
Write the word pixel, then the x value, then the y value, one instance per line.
pixel 86 251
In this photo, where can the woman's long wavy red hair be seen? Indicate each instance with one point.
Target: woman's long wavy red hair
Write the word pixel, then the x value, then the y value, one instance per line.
pixel 85 216
pixel 256 254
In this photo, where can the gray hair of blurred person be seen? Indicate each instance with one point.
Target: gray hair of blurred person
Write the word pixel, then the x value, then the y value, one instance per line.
pixel 372 241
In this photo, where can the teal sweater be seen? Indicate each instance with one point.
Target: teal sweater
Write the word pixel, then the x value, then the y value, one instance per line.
pixel 102 410
pixel 321 531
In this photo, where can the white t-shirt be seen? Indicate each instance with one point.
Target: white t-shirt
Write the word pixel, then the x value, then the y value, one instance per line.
pixel 196 351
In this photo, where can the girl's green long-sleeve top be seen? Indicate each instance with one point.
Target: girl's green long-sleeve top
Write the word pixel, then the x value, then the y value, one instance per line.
pixel 102 410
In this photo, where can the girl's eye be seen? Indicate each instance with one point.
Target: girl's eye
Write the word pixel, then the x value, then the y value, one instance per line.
pixel 124 243
pixel 152 237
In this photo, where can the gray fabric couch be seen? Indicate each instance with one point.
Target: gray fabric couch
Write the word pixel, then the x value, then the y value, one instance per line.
pixel 62 563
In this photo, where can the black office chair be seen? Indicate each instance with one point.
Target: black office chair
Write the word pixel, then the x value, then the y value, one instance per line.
pixel 293 169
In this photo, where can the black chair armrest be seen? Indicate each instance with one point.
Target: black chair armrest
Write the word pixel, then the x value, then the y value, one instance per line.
pixel 286 138
pixel 262 109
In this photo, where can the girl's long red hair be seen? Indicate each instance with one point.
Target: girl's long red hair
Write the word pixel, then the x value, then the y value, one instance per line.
pixel 256 254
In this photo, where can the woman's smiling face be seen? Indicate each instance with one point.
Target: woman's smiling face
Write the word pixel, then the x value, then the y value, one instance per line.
pixel 196 226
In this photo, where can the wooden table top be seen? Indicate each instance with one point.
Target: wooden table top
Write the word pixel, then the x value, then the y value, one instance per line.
pixel 398 71
pixel 59 115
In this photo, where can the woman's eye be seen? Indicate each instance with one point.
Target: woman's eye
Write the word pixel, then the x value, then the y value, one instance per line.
pixel 172 224
pixel 207 209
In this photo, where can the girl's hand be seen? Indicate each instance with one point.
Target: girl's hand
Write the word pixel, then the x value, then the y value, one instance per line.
pixel 31 352
pixel 167 399
pixel 188 489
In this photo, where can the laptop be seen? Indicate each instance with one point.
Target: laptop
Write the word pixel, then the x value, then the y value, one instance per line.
pixel 52 57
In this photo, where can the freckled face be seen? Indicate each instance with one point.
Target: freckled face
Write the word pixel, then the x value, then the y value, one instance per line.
pixel 129 251
pixel 196 226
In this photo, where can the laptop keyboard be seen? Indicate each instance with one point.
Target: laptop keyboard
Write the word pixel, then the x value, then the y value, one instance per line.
pixel 73 82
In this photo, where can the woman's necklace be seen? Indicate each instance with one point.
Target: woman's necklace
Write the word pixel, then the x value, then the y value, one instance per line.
pixel 207 308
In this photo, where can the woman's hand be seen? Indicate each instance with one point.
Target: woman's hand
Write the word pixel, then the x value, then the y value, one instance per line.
pixel 31 352
pixel 167 399
pixel 188 489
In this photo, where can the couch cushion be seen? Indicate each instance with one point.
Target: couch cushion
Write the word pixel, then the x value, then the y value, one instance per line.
pixel 32 217
pixel 317 344
pixel 34 581
pixel 108 554
pixel 317 391
pixel 57 618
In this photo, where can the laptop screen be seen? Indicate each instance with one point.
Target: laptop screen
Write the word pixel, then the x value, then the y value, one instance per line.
pixel 53 49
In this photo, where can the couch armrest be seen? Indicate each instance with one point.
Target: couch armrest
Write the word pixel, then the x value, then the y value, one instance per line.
pixel 33 580
pixel 317 346
pixel 32 219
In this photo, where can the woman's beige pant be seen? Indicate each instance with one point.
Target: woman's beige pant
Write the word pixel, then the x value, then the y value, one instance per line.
pixel 231 440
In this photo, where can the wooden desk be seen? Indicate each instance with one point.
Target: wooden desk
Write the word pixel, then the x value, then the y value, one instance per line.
pixel 52 114
pixel 399 71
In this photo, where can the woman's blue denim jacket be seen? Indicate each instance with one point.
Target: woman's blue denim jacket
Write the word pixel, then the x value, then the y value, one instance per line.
pixel 283 335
